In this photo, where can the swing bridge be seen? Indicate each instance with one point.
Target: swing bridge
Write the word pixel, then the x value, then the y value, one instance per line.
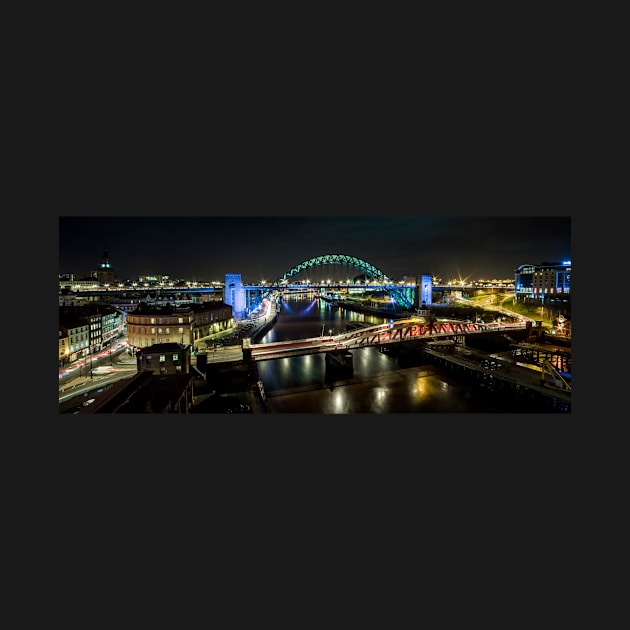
pixel 413 329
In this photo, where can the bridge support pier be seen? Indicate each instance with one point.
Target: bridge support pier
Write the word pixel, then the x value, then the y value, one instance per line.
pixel 340 360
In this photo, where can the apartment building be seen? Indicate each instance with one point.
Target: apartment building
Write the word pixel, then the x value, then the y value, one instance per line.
pixel 74 340
pixel 86 329
pixel 150 324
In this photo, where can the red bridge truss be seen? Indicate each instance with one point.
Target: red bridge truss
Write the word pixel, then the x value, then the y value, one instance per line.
pixel 393 332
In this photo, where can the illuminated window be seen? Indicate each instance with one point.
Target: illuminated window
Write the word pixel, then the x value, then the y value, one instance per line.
pixel 181 330
pixel 175 357
pixel 168 331
pixel 162 358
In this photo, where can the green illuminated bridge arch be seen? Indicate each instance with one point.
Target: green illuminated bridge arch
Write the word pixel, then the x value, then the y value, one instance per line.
pixel 375 275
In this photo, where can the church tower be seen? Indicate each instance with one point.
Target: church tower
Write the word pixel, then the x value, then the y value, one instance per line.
pixel 105 273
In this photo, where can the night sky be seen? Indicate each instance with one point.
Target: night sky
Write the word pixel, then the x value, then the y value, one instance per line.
pixel 206 248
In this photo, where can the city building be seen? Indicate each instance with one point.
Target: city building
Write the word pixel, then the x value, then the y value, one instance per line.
pixel 74 339
pixel 85 329
pixel 66 280
pixel 69 282
pixel 105 273
pixel 149 324
pixel 548 283
pixel 69 298
pixel 164 358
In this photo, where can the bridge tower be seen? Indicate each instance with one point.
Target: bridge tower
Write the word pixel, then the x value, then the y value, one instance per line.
pixel 234 294
pixel 424 290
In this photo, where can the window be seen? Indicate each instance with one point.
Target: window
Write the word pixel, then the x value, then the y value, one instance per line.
pixel 153 320
pixel 159 331
pixel 168 331
pixel 153 331
pixel 148 358
pixel 175 357
pixel 162 358
pixel 181 330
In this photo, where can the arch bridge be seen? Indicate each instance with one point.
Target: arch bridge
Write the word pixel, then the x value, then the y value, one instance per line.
pixel 353 266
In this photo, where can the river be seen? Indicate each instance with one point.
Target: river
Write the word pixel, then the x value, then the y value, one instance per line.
pixel 379 384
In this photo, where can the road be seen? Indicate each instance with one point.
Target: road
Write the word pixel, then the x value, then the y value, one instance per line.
pixel 493 303
pixel 77 380
pixel 81 368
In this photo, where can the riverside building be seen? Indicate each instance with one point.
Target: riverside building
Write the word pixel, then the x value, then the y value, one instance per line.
pixel 546 284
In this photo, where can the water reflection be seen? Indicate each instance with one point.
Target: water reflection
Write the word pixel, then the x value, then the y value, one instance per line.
pixel 379 383
pixel 308 384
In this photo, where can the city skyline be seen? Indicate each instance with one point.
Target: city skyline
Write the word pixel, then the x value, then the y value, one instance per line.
pixel 263 248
